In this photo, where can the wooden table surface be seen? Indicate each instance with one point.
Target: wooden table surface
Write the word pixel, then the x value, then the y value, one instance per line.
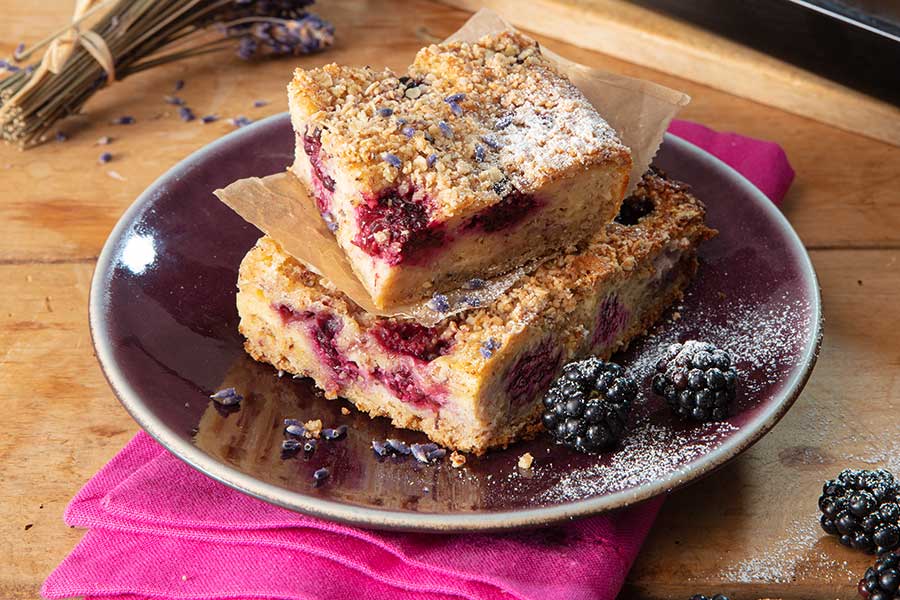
pixel 749 530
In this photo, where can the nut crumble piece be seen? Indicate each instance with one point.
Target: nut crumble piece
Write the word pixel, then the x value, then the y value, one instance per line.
pixel 457 460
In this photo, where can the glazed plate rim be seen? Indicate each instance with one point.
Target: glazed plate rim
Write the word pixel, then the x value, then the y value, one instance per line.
pixel 423 521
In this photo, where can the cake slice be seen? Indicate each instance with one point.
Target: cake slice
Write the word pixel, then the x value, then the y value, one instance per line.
pixel 475 380
pixel 479 159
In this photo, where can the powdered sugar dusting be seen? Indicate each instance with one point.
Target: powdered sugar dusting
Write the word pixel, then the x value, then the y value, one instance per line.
pixel 777 562
pixel 762 339
pixel 645 456
pixel 541 143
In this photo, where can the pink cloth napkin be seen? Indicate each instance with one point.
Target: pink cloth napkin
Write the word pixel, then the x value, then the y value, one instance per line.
pixel 159 529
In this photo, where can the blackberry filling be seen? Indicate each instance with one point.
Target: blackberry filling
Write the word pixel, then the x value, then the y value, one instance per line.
pixel 323 329
pixel 403 385
pixel 312 145
pixel 634 209
pixel 532 372
pixel 395 228
pixel 323 184
pixel 411 339
pixel 512 209
pixel 611 319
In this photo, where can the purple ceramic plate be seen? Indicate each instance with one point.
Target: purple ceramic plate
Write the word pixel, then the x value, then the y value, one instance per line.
pixel 164 325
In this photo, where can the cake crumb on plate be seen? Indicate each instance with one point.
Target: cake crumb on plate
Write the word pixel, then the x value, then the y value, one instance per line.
pixel 526 460
pixel 457 460
pixel 313 428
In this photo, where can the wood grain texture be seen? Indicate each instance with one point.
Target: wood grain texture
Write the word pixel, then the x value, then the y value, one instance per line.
pixel 748 530
pixel 642 36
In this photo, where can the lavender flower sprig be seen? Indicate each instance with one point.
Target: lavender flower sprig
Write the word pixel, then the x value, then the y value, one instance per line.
pixel 142 34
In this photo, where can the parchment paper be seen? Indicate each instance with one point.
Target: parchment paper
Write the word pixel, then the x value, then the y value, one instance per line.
pixel 278 201
pixel 640 111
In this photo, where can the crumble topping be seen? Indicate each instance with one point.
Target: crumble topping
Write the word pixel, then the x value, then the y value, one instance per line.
pixel 469 123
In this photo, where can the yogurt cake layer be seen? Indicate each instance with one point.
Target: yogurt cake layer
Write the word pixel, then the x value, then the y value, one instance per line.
pixel 479 159
pixel 475 380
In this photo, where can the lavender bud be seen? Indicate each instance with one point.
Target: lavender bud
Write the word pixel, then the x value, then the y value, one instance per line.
pixel 290 445
pixel 227 396
pixel 491 141
pixel 488 347
pixel 398 446
pixel 439 303
pixel 335 434
pixel 380 448
pixel 392 159
pixel 295 430
pixel 436 455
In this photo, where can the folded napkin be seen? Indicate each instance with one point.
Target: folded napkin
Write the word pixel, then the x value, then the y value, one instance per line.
pixel 159 529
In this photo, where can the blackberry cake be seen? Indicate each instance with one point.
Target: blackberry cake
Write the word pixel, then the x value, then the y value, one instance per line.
pixel 479 159
pixel 475 380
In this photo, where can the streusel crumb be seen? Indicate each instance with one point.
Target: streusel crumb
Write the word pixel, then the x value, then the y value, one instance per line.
pixel 525 461
pixel 457 460
pixel 313 428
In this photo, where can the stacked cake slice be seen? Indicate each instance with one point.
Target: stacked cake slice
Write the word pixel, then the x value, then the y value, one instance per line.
pixel 480 159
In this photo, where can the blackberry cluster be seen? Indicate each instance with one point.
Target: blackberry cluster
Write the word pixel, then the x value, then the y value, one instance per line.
pixel 697 380
pixel 882 581
pixel 587 407
pixel 861 508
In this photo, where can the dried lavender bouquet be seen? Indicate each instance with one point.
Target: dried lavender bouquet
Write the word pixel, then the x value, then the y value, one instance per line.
pixel 130 36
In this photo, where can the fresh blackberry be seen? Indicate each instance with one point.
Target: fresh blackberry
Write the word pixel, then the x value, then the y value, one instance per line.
pixel 862 508
pixel 697 380
pixel 882 581
pixel 587 407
